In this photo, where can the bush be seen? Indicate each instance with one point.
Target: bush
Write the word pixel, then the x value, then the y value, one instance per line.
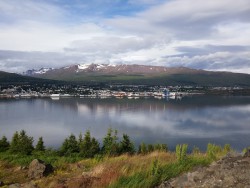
pixel 212 150
pixel 196 150
pixel 88 146
pixel 69 146
pixel 21 143
pixel 110 146
pixel 40 145
pixel 181 152
pixel 143 148
pixel 227 148
pixel 154 168
pixel 126 146
pixel 161 147
pixel 4 144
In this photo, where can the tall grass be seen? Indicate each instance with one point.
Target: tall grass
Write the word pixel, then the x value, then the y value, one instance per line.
pixel 158 173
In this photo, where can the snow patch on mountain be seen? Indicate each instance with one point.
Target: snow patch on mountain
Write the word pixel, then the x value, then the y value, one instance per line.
pixel 94 67
pixel 35 71
pixel 43 70
pixel 83 66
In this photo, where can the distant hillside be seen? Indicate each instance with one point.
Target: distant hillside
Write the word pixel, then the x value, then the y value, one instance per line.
pixel 12 78
pixel 142 74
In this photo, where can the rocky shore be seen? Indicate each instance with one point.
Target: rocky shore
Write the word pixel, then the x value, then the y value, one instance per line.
pixel 233 170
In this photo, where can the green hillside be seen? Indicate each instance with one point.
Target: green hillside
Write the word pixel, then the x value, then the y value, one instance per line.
pixel 200 78
pixel 12 78
pixel 204 78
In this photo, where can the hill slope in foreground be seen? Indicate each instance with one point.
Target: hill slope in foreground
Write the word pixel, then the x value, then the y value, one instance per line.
pixel 230 171
pixel 134 171
pixel 143 75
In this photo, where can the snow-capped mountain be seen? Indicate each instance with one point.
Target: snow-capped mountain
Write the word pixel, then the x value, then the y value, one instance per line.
pixel 140 74
pixel 34 71
pixel 107 69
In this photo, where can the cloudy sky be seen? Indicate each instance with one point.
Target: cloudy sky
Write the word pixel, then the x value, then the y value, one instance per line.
pixel 211 35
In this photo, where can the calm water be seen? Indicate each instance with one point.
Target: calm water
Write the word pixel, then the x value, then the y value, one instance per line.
pixel 193 120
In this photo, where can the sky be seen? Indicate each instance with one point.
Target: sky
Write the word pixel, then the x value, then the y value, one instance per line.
pixel 211 35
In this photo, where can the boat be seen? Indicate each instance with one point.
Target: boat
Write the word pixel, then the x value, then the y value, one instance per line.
pixel 55 96
pixel 66 95
pixel 25 95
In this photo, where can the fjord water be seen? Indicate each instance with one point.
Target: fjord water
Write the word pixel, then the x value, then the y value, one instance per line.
pixel 195 120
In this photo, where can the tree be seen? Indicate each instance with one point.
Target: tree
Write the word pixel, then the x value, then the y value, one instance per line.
pixel 95 147
pixel 160 147
pixel 150 148
pixel 21 143
pixel 143 148
pixel 70 145
pixel 26 143
pixel 88 146
pixel 110 145
pixel 126 146
pixel 80 139
pixel 85 143
pixel 4 144
pixel 40 145
pixel 14 144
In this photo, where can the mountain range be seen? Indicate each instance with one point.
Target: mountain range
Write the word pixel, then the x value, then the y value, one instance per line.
pixel 138 75
pixel 141 74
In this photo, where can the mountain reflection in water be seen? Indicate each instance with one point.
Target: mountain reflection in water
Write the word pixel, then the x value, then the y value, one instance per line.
pixel 193 120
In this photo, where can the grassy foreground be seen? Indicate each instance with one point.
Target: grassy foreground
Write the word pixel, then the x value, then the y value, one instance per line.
pixel 136 170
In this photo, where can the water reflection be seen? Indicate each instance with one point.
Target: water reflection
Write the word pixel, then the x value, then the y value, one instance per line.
pixel 193 120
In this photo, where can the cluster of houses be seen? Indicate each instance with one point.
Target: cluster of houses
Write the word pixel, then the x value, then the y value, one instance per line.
pixel 18 92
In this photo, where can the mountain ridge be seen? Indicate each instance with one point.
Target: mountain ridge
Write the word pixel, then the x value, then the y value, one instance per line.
pixel 141 75
pixel 112 69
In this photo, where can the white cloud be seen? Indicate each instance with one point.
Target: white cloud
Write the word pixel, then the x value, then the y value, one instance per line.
pixel 159 35
pixel 28 10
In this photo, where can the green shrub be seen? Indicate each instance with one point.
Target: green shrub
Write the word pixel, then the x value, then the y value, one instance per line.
pixel 227 148
pixel 154 167
pixel 69 146
pixel 181 152
pixel 196 150
pixel 161 147
pixel 245 150
pixel 21 143
pixel 88 146
pixel 126 146
pixel 4 144
pixel 142 149
pixel 110 145
pixel 212 150
pixel 40 145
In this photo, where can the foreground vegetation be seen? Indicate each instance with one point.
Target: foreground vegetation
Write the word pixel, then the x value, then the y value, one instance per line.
pixel 114 164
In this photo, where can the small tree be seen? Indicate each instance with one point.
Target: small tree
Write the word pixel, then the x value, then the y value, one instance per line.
pixel 95 147
pixel 70 145
pixel 14 144
pixel 143 148
pixel 110 145
pixel 88 146
pixel 126 146
pixel 4 144
pixel 26 143
pixel 160 147
pixel 21 143
pixel 80 139
pixel 150 148
pixel 40 145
